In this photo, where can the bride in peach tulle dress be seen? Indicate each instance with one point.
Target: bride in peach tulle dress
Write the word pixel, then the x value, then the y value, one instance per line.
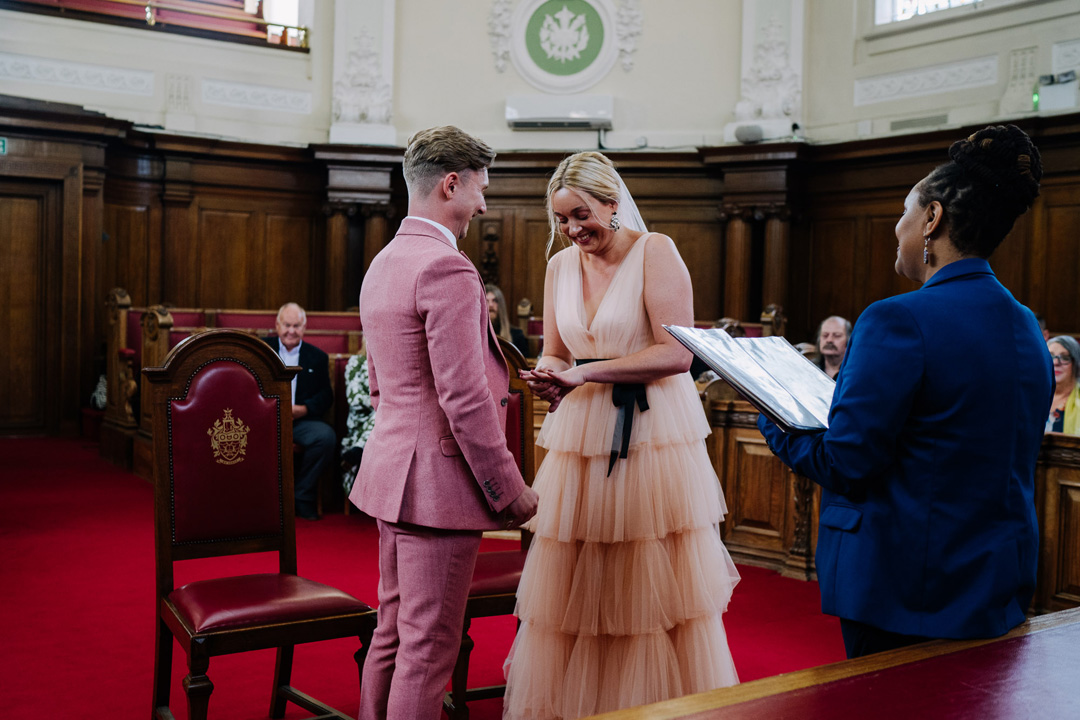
pixel 626 580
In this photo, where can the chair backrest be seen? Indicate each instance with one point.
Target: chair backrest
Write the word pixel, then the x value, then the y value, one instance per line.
pixel 223 470
pixel 519 413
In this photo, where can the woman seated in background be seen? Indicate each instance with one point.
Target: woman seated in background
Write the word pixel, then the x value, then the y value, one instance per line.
pixel 361 418
pixel 500 320
pixel 1065 412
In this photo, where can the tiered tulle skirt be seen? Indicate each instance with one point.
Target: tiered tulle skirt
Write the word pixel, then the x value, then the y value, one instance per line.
pixel 626 580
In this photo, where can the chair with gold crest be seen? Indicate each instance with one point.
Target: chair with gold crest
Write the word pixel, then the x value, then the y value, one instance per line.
pixel 223 485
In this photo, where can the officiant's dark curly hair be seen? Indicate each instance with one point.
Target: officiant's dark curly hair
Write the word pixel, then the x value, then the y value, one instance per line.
pixel 991 179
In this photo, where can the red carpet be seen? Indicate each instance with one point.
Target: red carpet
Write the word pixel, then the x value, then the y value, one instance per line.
pixel 77 601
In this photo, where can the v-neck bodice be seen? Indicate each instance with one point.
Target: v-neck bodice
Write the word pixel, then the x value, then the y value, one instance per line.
pixel 621 325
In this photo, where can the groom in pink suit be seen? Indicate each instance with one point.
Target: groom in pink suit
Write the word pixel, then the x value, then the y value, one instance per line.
pixel 436 471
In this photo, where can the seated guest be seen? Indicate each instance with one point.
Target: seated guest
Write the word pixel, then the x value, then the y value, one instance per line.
pixel 311 398
pixel 361 418
pixel 1042 326
pixel 500 320
pixel 831 341
pixel 1065 412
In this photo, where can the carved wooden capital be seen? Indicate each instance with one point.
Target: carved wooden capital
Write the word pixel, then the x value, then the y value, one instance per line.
pixel 338 207
pixel 384 210
pixel 117 300
pixel 780 211
pixel 734 211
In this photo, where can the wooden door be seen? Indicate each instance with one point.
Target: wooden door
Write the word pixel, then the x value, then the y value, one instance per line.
pixel 29 305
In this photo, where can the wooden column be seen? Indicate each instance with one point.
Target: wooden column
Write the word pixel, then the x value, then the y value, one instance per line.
pixel 376 230
pixel 737 241
pixel 774 289
pixel 337 253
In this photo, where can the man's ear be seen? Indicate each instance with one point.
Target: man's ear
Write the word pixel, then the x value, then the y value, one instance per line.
pixel 450 184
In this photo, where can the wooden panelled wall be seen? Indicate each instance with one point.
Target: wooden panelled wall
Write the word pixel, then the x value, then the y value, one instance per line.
pixel 88 204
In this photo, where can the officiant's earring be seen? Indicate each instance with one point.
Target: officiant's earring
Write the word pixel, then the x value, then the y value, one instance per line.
pixel 614 224
pixel 926 250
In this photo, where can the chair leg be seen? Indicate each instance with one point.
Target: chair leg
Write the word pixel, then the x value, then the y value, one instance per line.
pixel 163 648
pixel 198 687
pixel 457 708
pixel 282 677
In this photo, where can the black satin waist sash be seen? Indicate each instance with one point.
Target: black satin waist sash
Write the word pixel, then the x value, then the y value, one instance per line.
pixel 623 396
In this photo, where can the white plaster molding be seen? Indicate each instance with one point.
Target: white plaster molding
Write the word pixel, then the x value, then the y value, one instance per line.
pixel 362 94
pixel 1066 56
pixel 578 82
pixel 1022 80
pixel 500 20
pixel 178 93
pixel 260 97
pixel 76 75
pixel 770 103
pixel 628 27
pixel 933 80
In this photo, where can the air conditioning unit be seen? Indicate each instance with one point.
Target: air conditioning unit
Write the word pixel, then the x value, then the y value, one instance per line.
pixel 559 112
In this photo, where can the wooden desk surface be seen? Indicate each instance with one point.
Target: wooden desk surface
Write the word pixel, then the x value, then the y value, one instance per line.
pixel 1032 672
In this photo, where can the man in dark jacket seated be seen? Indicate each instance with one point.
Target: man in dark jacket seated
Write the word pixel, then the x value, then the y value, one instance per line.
pixel 311 398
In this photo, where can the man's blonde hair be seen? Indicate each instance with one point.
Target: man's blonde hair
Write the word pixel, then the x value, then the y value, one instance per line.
pixel 590 172
pixel 434 152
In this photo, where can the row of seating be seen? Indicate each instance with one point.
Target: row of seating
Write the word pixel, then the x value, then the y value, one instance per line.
pixel 142 337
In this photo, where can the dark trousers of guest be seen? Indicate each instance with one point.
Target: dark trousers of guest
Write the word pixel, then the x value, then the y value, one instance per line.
pixel 317 439
pixel 862 639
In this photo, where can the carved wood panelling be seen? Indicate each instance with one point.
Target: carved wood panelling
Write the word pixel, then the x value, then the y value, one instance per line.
pixel 127 250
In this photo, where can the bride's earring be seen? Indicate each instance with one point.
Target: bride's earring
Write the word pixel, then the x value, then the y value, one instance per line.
pixel 926 250
pixel 614 224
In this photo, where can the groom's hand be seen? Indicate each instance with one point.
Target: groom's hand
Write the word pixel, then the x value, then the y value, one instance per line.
pixel 522 509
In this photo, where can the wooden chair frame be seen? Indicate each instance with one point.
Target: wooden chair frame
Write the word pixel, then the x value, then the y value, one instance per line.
pixel 171 382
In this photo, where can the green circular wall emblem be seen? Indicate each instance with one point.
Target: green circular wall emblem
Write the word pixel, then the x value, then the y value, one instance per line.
pixel 564 37
pixel 563 46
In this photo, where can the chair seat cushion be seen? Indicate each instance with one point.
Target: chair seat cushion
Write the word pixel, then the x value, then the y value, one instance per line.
pixel 233 603
pixel 497 572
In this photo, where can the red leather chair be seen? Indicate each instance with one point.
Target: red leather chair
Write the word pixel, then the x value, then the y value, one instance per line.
pixel 493 590
pixel 223 469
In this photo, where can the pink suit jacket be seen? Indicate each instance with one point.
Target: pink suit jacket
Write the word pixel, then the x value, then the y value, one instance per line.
pixel 437 455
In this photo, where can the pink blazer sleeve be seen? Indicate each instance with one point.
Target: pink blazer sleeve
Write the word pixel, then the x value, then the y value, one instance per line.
pixel 450 300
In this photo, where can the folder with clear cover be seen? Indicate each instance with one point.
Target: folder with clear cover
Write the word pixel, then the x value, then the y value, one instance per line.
pixel 769 372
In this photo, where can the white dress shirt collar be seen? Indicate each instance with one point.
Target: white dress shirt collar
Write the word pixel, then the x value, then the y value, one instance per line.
pixel 445 231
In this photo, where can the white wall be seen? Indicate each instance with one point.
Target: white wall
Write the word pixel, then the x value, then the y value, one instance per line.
pixel 271 95
pixel 954 63
pixel 681 90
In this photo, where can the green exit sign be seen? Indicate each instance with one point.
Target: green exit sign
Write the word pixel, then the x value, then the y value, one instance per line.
pixel 3 146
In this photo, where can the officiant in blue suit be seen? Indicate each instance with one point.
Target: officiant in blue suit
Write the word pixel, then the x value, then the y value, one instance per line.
pixel 927 526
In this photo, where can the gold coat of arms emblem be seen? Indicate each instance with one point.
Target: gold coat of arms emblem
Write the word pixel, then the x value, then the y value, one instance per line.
pixel 228 438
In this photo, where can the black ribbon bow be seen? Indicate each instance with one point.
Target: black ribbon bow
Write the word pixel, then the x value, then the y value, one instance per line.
pixel 624 396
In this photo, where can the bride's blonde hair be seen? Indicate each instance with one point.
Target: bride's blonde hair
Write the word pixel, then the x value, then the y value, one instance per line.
pixel 590 172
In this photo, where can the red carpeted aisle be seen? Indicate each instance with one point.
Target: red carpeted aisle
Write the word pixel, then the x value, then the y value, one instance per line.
pixel 77 601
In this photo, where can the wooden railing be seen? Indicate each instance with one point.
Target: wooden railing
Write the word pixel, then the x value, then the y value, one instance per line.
pixel 221 19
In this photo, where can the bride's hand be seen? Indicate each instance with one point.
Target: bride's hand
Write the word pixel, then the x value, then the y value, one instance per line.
pixel 552 386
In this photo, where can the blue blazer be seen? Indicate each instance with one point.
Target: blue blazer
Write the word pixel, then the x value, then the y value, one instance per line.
pixel 928 466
